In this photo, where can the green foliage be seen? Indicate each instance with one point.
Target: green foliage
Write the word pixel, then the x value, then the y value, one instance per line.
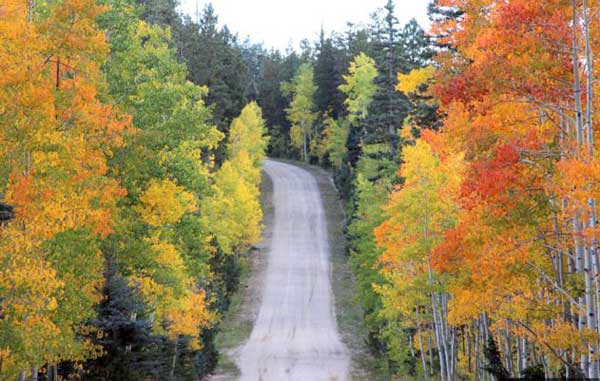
pixel 336 136
pixel 359 87
pixel 301 110
pixel 191 204
pixel 212 55
pixel 328 77
pixel 275 69
pixel 364 253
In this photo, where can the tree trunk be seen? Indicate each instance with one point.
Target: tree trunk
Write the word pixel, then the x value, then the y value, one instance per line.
pixel 594 271
pixel 579 129
pixel 51 372
pixel 420 338
pixel 468 349
pixel 305 141
pixel 430 344
pixel 436 322
pixel 174 362
pixel 508 352
pixel 30 10
pixel 590 370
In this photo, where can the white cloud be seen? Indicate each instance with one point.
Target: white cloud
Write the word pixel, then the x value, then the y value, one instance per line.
pixel 278 23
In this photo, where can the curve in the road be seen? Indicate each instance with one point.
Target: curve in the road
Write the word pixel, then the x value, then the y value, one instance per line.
pixel 295 336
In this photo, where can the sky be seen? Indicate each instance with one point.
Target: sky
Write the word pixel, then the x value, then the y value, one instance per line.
pixel 279 23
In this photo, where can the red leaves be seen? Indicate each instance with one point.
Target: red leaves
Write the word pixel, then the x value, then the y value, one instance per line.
pixel 495 181
pixel 448 256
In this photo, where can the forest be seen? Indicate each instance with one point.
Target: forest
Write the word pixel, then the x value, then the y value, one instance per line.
pixel 131 144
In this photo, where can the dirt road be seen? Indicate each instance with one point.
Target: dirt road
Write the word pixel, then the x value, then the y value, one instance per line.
pixel 295 336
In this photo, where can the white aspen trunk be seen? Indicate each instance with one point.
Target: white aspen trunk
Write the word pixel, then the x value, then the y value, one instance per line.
pixel 34 373
pixel 579 128
pixel 508 353
pixel 51 373
pixel 305 142
pixel 476 350
pixel 450 337
pixel 443 336
pixel 436 323
pixel 483 342
pixel 590 314
pixel 594 270
pixel 580 326
pixel 579 226
pixel 452 354
pixel 547 371
pixel 589 60
pixel 525 353
pixel 468 351
pixel 174 362
pixel 431 365
pixel 420 338
pixel 438 339
pixel 519 356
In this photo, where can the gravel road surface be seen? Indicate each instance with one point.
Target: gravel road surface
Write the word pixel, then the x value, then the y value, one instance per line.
pixel 295 336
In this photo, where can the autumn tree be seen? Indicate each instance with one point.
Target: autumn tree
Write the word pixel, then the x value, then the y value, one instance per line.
pixel 359 87
pixel 301 110
pixel 57 138
pixel 417 216
pixel 515 82
pixel 234 214
pixel 161 247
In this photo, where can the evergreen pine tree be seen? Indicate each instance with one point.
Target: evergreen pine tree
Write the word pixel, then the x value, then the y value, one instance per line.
pixel 389 107
pixel 494 364
pixel 415 45
pixel 438 13
pixel 328 99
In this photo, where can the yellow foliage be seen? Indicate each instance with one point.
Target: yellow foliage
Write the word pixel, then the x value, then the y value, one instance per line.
pixel 170 292
pixel 409 83
pixel 189 317
pixel 233 214
pixel 164 203
pixel 56 137
pixel 248 134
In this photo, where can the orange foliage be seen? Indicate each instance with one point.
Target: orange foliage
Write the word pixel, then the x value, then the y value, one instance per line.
pixel 56 137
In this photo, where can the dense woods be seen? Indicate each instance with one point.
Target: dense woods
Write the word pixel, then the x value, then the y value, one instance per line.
pixel 123 199
pixel 131 143
pixel 479 259
pixel 466 156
